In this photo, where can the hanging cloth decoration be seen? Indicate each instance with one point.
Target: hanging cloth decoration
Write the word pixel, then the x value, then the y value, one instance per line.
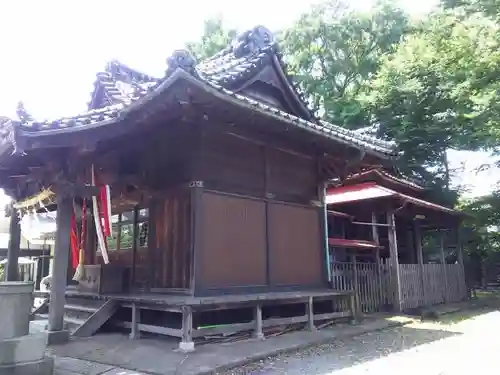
pixel 105 209
pixel 79 255
pixel 101 240
pixel 74 242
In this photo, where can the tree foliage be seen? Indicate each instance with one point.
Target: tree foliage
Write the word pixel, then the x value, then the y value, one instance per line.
pixel 333 50
pixel 215 38
pixel 438 91
pixel 489 8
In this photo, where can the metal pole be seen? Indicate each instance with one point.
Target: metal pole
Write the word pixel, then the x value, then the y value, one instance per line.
pixel 325 218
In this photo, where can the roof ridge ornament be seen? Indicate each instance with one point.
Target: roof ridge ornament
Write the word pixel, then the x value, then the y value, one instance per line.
pixel 182 59
pixel 252 40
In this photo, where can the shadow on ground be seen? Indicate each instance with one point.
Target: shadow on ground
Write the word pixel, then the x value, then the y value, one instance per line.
pixel 345 353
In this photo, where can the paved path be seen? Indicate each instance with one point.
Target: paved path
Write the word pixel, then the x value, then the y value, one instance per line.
pixel 72 366
pixel 469 347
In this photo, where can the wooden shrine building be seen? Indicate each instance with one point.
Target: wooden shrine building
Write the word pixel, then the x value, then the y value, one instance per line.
pixel 382 224
pixel 217 174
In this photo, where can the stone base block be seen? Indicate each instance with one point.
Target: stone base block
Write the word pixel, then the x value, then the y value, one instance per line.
pixel 44 366
pixel 57 337
pixel 186 347
pixel 27 348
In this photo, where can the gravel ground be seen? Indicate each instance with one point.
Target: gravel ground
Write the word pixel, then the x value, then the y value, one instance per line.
pixel 421 348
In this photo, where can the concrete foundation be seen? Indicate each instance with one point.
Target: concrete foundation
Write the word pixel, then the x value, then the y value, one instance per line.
pixel 20 352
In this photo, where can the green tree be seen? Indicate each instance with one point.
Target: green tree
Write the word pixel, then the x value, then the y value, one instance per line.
pixel 332 50
pixel 488 7
pixel 215 38
pixel 482 224
pixel 438 91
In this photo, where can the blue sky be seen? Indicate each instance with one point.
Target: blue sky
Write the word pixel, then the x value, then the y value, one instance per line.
pixel 53 49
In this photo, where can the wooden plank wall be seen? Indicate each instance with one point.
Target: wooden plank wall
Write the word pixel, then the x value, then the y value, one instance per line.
pixel 233 245
pixel 434 286
pixel 296 252
pixel 170 246
pixel 372 298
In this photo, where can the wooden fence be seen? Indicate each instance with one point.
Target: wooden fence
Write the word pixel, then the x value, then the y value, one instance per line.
pixel 374 286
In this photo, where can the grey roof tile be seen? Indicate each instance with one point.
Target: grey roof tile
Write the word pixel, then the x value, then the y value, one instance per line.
pixel 230 68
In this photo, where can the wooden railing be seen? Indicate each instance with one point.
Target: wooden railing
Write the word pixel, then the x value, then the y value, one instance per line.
pixel 374 285
pixel 367 280
pixel 438 284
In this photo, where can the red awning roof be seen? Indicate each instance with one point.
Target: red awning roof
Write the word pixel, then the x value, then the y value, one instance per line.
pixel 370 190
pixel 356 244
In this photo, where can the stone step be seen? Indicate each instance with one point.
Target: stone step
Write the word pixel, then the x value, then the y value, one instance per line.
pixel 72 324
pixel 87 309
pixel 73 321
pixel 40 316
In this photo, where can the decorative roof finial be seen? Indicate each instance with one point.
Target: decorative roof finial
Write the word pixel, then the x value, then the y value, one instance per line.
pixel 22 114
pixel 252 40
pixel 181 59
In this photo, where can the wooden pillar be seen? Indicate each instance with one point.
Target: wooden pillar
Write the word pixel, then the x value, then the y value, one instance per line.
pixel 14 248
pixel 460 260
pixel 355 284
pixel 310 315
pixel 187 344
pixel 136 318
pixel 257 312
pixel 61 259
pixel 393 248
pixel 376 240
pixel 460 249
pixel 410 246
pixel 417 234
pixel 443 265
pixel 135 240
pixel 196 188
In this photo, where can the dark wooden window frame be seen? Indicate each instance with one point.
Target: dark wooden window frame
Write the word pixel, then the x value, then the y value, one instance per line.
pixel 136 218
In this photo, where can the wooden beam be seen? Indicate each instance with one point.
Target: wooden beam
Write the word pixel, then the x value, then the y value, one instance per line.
pixel 97 319
pixel 187 344
pixel 460 250
pixel 135 239
pixel 61 259
pixel 134 329
pixel 355 283
pixel 443 265
pixel 371 224
pixel 376 240
pixel 77 190
pixel 417 234
pixel 14 247
pixel 393 248
pixel 257 312
pixel 310 315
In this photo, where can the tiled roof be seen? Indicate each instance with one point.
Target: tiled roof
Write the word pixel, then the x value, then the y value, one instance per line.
pixel 119 86
pixel 388 176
